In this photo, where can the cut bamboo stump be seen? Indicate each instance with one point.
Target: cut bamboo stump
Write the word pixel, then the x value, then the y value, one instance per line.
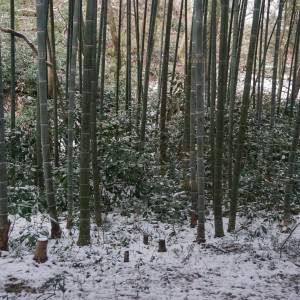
pixel 162 246
pixel 201 234
pixel 145 240
pixel 4 238
pixel 126 256
pixel 40 255
pixel 194 220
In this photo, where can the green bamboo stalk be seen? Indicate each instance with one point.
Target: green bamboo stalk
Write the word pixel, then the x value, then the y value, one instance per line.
pixel 84 184
pixel 243 118
pixel 187 91
pixel 38 147
pixel 102 82
pixel 293 95
pixel 164 88
pixel 255 76
pixel 275 65
pixel 213 87
pixel 199 115
pixel 143 46
pixel 264 61
pixel 206 60
pixel 176 48
pixel 187 100
pixel 12 71
pixel 80 48
pixel 222 83
pixel 69 42
pixel 261 36
pixel 288 191
pixel 41 12
pixel 94 151
pixel 229 42
pixel 230 34
pixel 147 70
pixel 290 82
pixel 119 58
pixel 71 112
pixel 128 66
pixel 138 73
pixel 160 62
pixel 13 85
pixel 295 143
pixel 4 223
pixel 53 60
pixel 100 40
pixel 292 20
pixel 240 36
pixel 193 162
pixel 233 83
pixel 259 109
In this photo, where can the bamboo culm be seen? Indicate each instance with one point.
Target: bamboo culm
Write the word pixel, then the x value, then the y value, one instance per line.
pixel 222 82
pixel 71 111
pixel 200 98
pixel 84 183
pixel 243 118
pixel 3 169
pixel 164 88
pixel 147 71
pixel 41 12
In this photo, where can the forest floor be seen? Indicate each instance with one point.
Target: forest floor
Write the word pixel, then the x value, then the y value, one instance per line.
pixel 243 265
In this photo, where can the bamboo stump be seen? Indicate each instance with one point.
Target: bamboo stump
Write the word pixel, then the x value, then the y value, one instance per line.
pixel 194 219
pixel 145 240
pixel 126 256
pixel 40 255
pixel 4 238
pixel 201 235
pixel 69 224
pixel 162 246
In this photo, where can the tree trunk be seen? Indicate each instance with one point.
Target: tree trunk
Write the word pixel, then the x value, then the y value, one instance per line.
pixel 13 86
pixel 54 85
pixel 200 98
pixel 119 57
pixel 295 142
pixel 164 87
pixel 193 162
pixel 222 83
pixel 297 87
pixel 147 70
pixel 275 65
pixel 84 184
pixel 71 112
pixel 243 118
pixel 128 67
pixel 112 26
pixel 4 223
pixel 41 9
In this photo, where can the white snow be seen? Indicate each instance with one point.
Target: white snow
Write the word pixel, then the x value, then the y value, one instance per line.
pixel 244 265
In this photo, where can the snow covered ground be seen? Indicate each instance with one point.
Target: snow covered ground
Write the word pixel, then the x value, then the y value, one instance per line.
pixel 244 265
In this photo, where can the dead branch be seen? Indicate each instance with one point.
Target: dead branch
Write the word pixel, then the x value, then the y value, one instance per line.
pixel 22 36
pixel 26 12
pixel 288 238
pixel 31 45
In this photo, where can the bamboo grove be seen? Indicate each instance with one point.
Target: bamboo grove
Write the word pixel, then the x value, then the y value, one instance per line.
pixel 221 54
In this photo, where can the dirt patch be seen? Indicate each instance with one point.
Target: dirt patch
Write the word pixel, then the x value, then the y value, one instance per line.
pixel 290 281
pixel 19 287
pixel 230 248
